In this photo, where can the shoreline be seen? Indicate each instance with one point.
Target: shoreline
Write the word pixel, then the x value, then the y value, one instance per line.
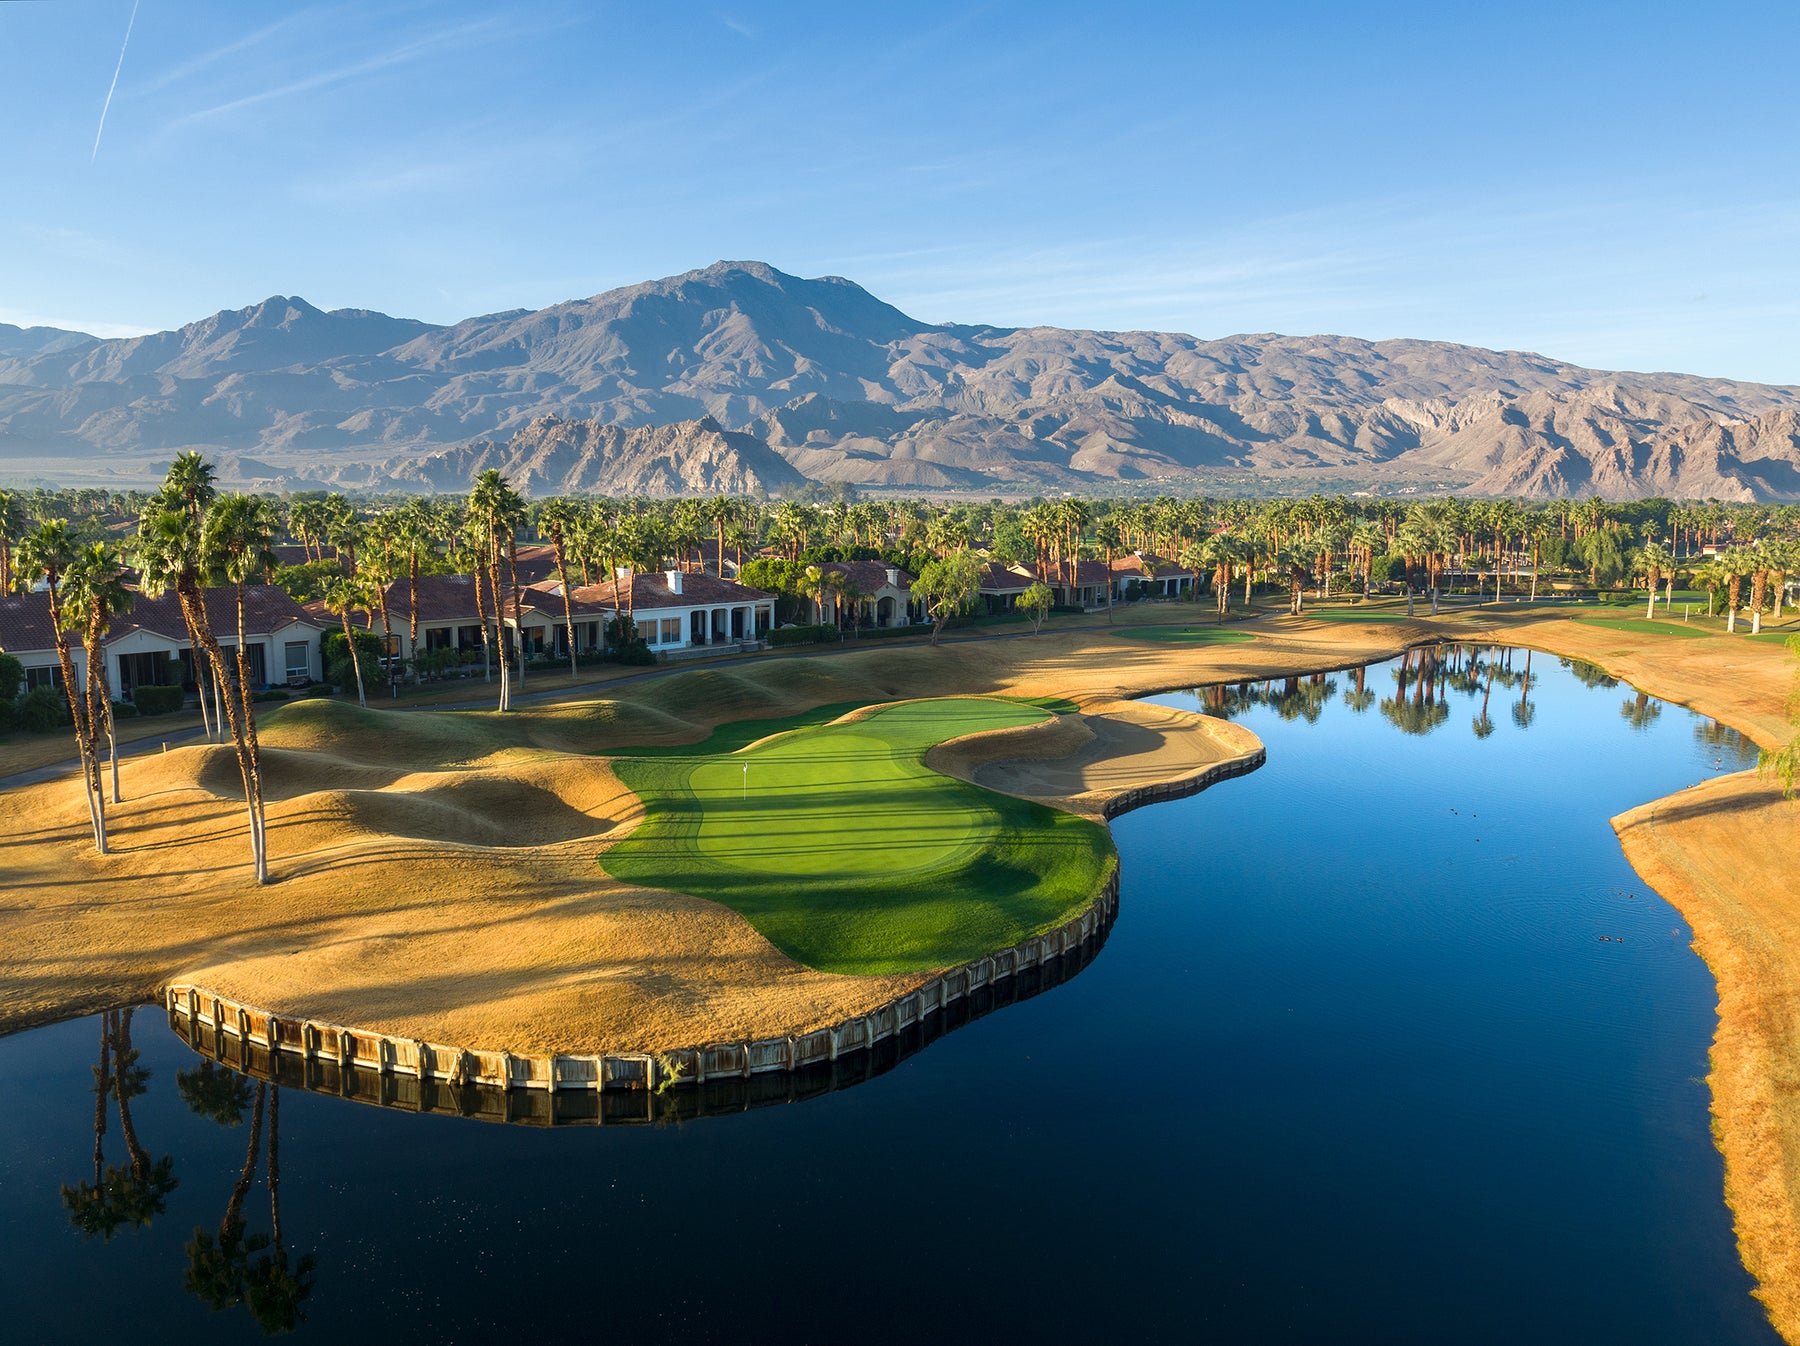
pixel 1713 852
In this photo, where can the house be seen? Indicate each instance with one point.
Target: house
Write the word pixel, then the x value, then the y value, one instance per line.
pixel 149 645
pixel 1001 585
pixel 678 610
pixel 884 593
pixel 451 619
pixel 1080 584
pixel 1157 576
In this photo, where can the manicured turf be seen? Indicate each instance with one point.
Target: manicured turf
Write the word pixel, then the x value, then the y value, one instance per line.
pixel 1200 635
pixel 850 855
pixel 1358 615
pixel 1056 705
pixel 738 734
pixel 1644 626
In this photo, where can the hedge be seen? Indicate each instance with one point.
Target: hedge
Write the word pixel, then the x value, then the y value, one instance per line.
pixel 152 700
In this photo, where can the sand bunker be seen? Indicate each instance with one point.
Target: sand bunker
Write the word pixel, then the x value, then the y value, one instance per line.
pixel 1079 762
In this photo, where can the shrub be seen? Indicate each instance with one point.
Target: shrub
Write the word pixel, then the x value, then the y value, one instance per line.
pixel 42 710
pixel 316 689
pixel 123 710
pixel 338 668
pixel 12 677
pixel 1384 569
pixel 635 654
pixel 805 635
pixel 273 694
pixel 153 700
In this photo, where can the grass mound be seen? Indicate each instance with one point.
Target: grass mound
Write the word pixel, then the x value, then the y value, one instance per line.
pixel 1359 615
pixel 850 855
pixel 1193 635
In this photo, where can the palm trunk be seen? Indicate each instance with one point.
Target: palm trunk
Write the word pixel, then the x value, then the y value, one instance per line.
pixel 258 840
pixel 562 570
pixel 193 600
pixel 412 615
pixel 355 663
pixel 234 1208
pixel 77 695
pixel 480 573
pixel 512 575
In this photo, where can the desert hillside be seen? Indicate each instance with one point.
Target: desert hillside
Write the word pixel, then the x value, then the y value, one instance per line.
pixel 760 378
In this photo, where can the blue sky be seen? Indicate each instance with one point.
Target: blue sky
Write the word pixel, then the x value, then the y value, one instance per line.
pixel 1612 184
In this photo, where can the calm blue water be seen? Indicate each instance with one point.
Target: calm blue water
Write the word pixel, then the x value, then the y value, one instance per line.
pixel 1388 1045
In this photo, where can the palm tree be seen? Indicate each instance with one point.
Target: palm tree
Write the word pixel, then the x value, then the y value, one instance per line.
pixel 495 512
pixel 47 553
pixel 1735 564
pixel 237 541
pixel 171 555
pixel 1655 561
pixel 343 596
pixel 12 528
pixel 95 588
pixel 1106 536
pixel 555 518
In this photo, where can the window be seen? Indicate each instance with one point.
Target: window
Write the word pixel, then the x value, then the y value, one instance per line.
pixel 299 661
pixel 49 675
pixel 671 630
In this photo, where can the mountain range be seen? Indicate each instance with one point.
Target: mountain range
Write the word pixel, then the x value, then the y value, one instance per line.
pixel 740 377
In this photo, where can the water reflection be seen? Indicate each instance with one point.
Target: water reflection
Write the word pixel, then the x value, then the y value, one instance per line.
pixel 1426 681
pixel 228 1266
pixel 132 1194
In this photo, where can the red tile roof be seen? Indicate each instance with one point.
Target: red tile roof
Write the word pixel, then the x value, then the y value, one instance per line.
pixel 1153 566
pixel 997 578
pixel 868 575
pixel 25 619
pixel 651 590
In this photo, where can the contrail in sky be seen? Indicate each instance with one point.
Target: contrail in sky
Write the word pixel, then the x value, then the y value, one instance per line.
pixel 115 81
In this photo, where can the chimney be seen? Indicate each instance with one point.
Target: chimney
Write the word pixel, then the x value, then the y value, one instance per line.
pixel 893 579
pixel 674 578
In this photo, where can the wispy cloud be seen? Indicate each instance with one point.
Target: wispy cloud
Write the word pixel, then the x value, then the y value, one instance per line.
pixel 429 44
pixel 194 65
pixel 738 26
pixel 104 107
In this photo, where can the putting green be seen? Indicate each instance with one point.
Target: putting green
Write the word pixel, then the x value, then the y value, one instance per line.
pixel 850 855
pixel 1204 635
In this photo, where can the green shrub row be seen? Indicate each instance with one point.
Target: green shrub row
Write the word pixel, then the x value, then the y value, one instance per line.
pixel 152 700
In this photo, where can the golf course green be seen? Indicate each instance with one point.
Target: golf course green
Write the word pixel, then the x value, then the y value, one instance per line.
pixel 849 854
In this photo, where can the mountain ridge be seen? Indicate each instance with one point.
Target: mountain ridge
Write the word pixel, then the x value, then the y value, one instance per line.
pixel 841 386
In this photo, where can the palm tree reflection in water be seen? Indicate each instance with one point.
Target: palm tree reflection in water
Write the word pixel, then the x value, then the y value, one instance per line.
pixel 130 1195
pixel 232 1266
pixel 228 1266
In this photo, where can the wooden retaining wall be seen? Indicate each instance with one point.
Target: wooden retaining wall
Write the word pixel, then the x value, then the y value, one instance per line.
pixel 195 1008
pixel 718 1096
pixel 1126 800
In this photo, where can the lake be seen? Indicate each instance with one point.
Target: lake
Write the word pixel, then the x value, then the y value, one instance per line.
pixel 1388 1044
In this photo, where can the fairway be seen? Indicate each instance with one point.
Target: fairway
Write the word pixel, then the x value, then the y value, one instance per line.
pixel 1203 635
pixel 850 855
pixel 1645 626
